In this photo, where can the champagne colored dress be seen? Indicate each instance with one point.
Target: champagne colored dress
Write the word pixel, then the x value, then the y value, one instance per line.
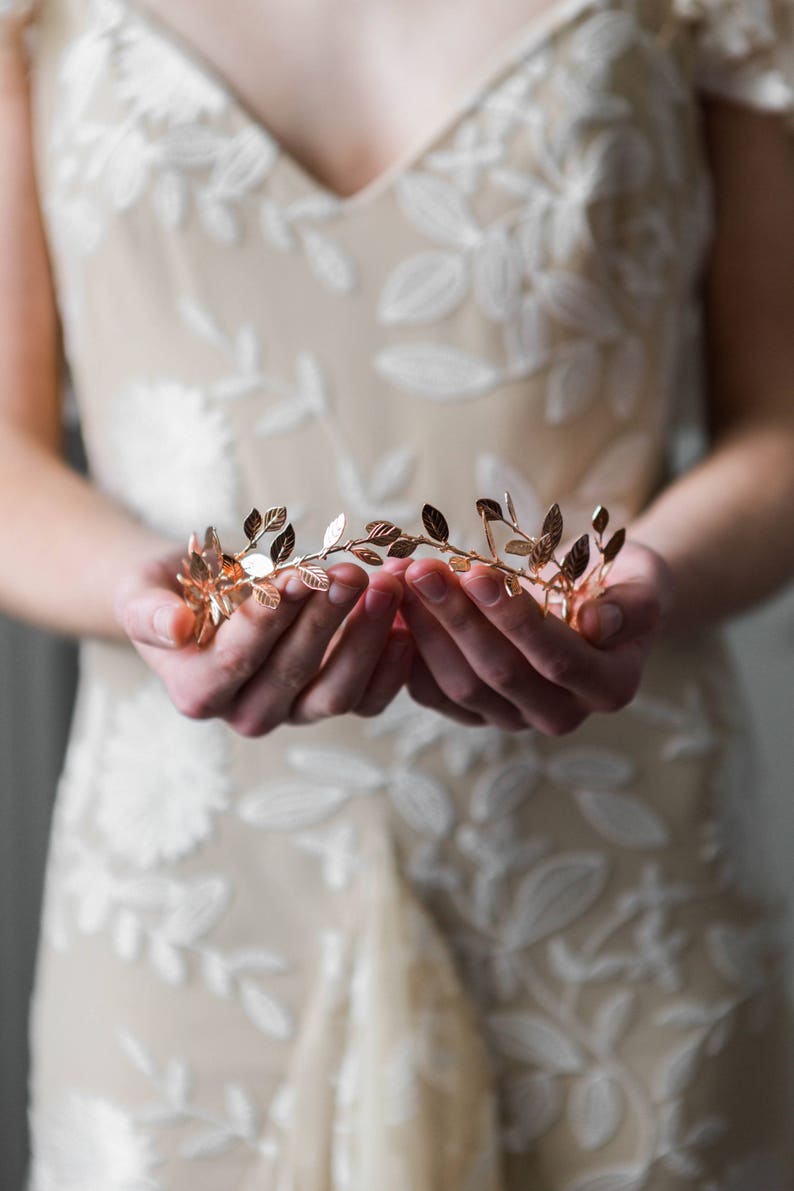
pixel 401 954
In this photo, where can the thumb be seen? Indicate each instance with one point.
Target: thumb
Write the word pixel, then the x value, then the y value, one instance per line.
pixel 154 616
pixel 623 613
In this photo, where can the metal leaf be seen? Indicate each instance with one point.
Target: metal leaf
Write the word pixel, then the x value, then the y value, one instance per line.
pixel 402 548
pixel 512 585
pixel 541 553
pixel 314 577
pixel 552 525
pixel 274 519
pixel 489 536
pixel 383 533
pixel 253 525
pixel 368 556
pixel 199 571
pixel 519 546
pixel 211 540
pixel 435 523
pixel 334 532
pixel 511 508
pixel 577 558
pixel 491 510
pixel 614 545
pixel 458 563
pixel 267 594
pixel 282 546
pixel 600 518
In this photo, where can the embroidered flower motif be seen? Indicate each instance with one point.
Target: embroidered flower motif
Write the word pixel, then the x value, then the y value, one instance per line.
pixel 164 780
pixel 88 1144
pixel 171 457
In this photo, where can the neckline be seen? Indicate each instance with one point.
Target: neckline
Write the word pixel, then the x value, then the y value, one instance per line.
pixel 527 39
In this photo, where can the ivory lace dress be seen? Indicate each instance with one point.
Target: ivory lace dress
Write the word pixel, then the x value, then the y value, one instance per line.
pixel 400 954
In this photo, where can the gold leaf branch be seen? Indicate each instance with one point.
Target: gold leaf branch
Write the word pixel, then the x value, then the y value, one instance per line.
pixel 215 583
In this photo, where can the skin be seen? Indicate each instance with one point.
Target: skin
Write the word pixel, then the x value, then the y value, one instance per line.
pixel 700 552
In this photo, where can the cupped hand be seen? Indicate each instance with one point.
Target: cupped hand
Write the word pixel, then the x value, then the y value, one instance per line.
pixel 319 654
pixel 483 656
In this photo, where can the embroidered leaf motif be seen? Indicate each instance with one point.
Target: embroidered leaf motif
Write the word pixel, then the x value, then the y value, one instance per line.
pixel 611 1018
pixel 391 473
pixel 202 906
pixel 530 1038
pixel 423 802
pixel 242 163
pixel 623 819
pixel 573 383
pixel 677 1070
pixel 436 370
pixel 595 1109
pixel 210 1144
pixel 240 1109
pixel 553 895
pixel 220 222
pixel 287 805
pixel 614 1178
pixel 330 262
pixel 275 226
pixel 497 276
pixel 423 289
pixel 267 1014
pixel 437 209
pixel 353 769
pixel 166 960
pixel 592 768
pixel 603 37
pixel 578 304
pixel 502 790
pixel 137 1054
pixel 533 1103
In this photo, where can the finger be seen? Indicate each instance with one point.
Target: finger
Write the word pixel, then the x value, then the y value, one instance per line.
pixel 492 655
pixel 603 680
pixel 451 669
pixel 354 655
pixel 625 612
pixel 204 682
pixel 389 676
pixel 425 691
pixel 267 698
pixel 155 616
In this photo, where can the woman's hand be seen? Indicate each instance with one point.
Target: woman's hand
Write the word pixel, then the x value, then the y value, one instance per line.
pixel 485 657
pixel 319 654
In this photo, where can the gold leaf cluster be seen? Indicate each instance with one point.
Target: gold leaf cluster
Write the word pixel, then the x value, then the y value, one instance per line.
pixel 215 583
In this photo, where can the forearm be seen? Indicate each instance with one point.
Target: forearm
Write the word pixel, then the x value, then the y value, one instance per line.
pixel 726 528
pixel 65 544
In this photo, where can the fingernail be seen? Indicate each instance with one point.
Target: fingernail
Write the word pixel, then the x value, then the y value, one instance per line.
pixel 342 593
pixel 294 588
pixel 485 590
pixel 163 626
pixel 432 587
pixel 377 602
pixel 610 621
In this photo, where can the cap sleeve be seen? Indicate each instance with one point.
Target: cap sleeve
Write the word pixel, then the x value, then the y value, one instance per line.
pixel 744 50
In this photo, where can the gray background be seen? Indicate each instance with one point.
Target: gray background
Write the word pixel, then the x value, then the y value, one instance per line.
pixel 36 682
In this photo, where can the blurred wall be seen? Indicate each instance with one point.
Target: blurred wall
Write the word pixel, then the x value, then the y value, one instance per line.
pixel 37 675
